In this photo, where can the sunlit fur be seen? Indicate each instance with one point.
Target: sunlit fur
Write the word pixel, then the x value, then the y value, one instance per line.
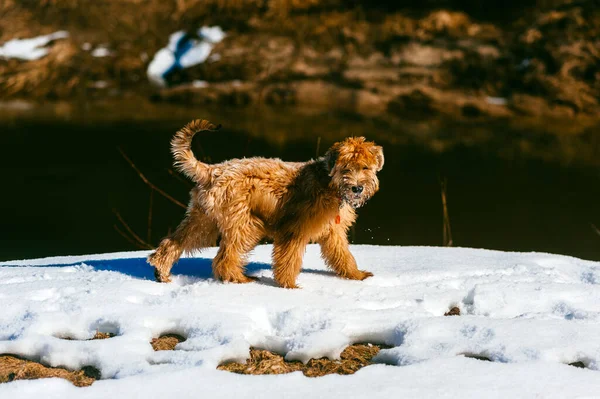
pixel 246 200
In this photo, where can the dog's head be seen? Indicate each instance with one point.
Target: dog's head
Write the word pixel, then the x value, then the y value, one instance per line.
pixel 353 165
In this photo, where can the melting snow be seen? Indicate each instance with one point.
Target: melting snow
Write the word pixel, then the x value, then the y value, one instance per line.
pixel 530 313
pixel 183 52
pixel 30 49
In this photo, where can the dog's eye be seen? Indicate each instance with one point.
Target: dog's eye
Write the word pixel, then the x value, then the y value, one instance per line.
pixel 346 171
pixel 366 168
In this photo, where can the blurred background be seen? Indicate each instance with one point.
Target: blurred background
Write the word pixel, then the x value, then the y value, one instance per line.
pixel 491 108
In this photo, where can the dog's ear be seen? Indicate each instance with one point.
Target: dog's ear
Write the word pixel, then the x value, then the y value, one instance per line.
pixel 331 157
pixel 378 152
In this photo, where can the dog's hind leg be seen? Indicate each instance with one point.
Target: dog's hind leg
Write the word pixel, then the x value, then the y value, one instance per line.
pixel 195 232
pixel 336 253
pixel 235 245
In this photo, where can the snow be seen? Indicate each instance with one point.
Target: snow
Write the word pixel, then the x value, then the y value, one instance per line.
pixel 496 100
pixel 530 313
pixel 100 52
pixel 30 49
pixel 200 84
pixel 170 57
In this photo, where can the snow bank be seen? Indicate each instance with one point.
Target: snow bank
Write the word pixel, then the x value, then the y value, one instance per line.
pixel 531 314
pixel 183 52
pixel 30 49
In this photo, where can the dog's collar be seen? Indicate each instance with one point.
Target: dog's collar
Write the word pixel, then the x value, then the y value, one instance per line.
pixel 338 217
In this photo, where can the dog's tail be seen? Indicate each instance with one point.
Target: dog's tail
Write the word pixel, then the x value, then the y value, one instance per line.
pixel 185 161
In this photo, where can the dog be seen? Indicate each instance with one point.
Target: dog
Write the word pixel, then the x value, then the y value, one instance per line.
pixel 244 201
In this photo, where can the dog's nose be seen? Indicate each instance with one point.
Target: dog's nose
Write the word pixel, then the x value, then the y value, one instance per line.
pixel 357 189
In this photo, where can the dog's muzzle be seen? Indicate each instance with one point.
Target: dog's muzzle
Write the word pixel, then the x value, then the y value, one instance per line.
pixel 354 196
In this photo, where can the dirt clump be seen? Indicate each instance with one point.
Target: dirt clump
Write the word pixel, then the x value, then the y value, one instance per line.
pixel 166 342
pixel 454 311
pixel 14 368
pixel 98 335
pixel 353 358
pixel 103 335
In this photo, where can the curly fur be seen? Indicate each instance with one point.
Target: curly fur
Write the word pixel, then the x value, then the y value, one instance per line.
pixel 293 203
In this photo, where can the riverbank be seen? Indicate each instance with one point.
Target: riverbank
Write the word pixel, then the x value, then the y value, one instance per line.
pixel 529 68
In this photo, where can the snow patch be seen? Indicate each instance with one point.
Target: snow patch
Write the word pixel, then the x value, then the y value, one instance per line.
pixel 183 51
pixel 101 52
pixel 30 49
pixel 531 314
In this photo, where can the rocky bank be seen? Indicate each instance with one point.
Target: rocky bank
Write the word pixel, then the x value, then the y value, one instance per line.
pixel 530 65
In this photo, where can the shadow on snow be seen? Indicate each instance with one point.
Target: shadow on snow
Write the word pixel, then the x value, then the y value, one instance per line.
pixel 139 268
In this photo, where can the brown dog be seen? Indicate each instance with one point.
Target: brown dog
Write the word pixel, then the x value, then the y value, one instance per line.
pixel 293 203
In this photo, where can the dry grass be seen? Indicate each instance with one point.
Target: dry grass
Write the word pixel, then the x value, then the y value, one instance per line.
pixel 261 362
pixel 454 311
pixel 166 342
pixel 14 368
pixel 98 335
pixel 102 335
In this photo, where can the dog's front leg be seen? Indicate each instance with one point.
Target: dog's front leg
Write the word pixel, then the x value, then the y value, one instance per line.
pixel 287 260
pixel 336 253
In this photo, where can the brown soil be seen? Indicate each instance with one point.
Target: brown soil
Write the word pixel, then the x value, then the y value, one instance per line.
pixel 166 342
pixel 13 368
pixel 102 335
pixel 454 311
pixel 98 335
pixel 261 362
pixel 16 368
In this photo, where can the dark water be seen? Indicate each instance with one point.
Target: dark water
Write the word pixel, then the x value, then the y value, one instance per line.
pixel 63 181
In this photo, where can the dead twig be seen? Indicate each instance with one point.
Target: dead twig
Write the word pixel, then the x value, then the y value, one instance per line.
pixel 125 236
pixel 149 235
pixel 148 183
pixel 178 177
pixel 446 230
pixel 137 238
pixel 318 147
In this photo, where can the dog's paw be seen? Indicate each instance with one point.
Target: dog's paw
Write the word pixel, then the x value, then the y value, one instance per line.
pixel 246 279
pixel 241 279
pixel 292 287
pixel 357 275
pixel 289 285
pixel 161 278
pixel 365 275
